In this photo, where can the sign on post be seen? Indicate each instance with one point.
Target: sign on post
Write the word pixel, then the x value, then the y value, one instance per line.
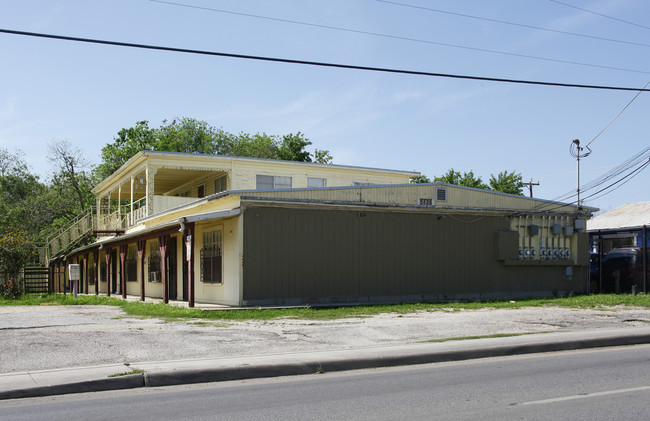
pixel 74 272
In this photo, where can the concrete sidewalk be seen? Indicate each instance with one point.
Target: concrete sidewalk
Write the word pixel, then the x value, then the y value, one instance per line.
pixel 166 373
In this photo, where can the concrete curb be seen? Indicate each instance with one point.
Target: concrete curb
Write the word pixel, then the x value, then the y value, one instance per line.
pixel 333 364
pixel 130 381
pixel 226 369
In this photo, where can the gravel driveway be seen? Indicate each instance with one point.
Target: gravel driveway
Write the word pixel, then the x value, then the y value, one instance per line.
pixel 47 337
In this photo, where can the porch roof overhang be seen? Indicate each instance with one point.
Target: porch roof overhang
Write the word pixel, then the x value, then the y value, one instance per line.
pixel 171 227
pixel 170 173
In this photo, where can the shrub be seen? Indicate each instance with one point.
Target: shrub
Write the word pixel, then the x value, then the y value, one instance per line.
pixel 11 289
pixel 15 251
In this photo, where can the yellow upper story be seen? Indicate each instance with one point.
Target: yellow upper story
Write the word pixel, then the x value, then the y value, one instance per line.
pixel 153 182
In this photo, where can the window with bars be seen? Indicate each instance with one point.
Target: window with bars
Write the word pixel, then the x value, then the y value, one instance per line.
pixel 132 264
pixel 154 262
pixel 211 257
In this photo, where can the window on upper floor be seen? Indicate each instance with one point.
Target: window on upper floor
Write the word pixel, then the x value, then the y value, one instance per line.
pixel 272 182
pixel 314 182
pixel 220 184
pixel 201 190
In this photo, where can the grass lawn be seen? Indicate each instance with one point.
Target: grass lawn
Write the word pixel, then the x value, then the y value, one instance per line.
pixel 170 312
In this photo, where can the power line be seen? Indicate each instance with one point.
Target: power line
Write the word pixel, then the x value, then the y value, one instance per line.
pixel 504 22
pixel 316 63
pixel 617 115
pixel 442 44
pixel 599 14
pixel 630 167
pixel 630 175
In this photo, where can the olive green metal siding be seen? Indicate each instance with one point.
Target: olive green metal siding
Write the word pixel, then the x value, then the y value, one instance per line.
pixel 318 256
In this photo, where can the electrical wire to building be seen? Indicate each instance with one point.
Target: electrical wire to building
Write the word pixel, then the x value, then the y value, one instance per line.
pixel 617 115
pixel 614 178
pixel 315 63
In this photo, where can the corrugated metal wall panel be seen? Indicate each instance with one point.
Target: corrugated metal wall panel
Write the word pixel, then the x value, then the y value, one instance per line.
pixel 410 195
pixel 305 255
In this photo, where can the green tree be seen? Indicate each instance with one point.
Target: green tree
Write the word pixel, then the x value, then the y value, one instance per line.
pixel 253 146
pixel 467 179
pixel 322 156
pixel 507 182
pixel 127 143
pixel 420 179
pixel 17 186
pixel 190 136
pixel 194 136
pixel 15 251
pixel 292 148
pixel 70 176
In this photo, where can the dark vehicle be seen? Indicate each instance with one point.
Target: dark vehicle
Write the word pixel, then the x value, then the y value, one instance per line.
pixel 623 270
pixel 594 271
pixel 594 265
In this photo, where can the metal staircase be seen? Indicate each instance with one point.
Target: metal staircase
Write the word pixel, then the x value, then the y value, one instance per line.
pixel 74 233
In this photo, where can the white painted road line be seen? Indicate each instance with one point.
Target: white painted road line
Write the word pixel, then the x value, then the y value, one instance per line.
pixel 584 395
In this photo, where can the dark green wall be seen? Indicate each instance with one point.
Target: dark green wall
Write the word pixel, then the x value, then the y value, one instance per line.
pixel 318 256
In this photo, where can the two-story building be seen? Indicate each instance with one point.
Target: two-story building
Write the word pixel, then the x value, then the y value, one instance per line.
pixel 242 231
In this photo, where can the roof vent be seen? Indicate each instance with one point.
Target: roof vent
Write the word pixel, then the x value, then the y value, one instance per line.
pixel 441 194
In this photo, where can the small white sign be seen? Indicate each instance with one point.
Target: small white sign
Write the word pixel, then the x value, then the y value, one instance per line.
pixel 188 246
pixel 74 272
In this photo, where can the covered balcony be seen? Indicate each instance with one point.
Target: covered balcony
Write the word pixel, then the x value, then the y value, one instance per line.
pixel 146 185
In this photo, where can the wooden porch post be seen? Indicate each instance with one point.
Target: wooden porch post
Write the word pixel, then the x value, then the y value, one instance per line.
pixel 62 275
pixel 107 258
pixel 163 242
pixel 142 247
pixel 52 277
pixel 85 286
pixel 96 270
pixel 123 249
pixel 189 244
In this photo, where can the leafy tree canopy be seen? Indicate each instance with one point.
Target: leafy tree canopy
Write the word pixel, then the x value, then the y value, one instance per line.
pixel 467 179
pixel 505 182
pixel 420 179
pixel 15 251
pixel 194 136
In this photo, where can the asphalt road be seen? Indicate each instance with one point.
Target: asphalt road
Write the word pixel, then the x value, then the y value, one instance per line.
pixel 602 384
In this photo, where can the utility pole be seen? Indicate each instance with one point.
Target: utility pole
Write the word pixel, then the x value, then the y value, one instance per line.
pixel 575 150
pixel 530 185
pixel 578 149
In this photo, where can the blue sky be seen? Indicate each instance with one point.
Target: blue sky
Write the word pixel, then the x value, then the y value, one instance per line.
pixel 86 93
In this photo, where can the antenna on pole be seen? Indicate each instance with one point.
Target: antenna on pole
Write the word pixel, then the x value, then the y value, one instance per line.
pixel 575 151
